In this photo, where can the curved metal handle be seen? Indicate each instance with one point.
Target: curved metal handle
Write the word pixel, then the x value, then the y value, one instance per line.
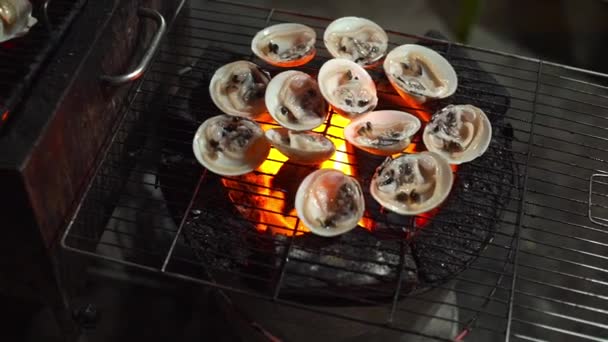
pixel 147 58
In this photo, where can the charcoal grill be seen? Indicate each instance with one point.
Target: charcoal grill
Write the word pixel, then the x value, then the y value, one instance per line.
pixel 22 58
pixel 520 241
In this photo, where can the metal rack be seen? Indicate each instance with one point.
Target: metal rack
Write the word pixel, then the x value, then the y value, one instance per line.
pixel 22 58
pixel 538 273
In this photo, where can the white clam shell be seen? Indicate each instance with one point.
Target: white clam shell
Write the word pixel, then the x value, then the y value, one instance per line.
pixel 383 132
pixel 432 183
pixel 440 67
pixel 301 147
pixel 476 133
pixel 364 31
pixel 283 90
pixel 233 158
pixel 15 19
pixel 244 98
pixel 332 80
pixel 294 44
pixel 317 191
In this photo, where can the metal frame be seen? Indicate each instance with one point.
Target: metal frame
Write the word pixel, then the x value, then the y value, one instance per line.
pixel 543 276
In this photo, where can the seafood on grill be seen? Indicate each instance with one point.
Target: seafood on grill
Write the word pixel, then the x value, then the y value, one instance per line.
pixel 238 89
pixel 301 147
pixel 329 202
pixel 383 132
pixel 357 39
pixel 285 45
pixel 230 145
pixel 459 133
pixel 15 18
pixel 294 100
pixel 412 184
pixel 420 73
pixel 347 87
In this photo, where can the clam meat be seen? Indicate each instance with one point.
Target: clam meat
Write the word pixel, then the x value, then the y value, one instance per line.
pixel 230 145
pixel 459 133
pixel 285 45
pixel 412 183
pixel 301 147
pixel 357 39
pixel 238 89
pixel 384 132
pixel 294 100
pixel 15 18
pixel 329 202
pixel 418 72
pixel 347 87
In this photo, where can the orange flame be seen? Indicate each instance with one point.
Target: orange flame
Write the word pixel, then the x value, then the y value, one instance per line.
pixel 264 205
pixel 268 207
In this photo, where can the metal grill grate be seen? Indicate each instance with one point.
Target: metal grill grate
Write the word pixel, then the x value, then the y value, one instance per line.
pixel 529 262
pixel 22 58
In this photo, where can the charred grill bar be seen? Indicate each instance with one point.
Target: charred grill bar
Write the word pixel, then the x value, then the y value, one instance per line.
pixel 513 239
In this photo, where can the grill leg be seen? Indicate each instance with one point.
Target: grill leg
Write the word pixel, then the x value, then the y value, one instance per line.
pixel 57 296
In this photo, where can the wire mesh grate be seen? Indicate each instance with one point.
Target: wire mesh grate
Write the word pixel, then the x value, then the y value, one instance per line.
pixel 524 261
pixel 22 58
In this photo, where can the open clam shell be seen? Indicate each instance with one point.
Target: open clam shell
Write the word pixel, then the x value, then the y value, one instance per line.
pixel 383 132
pixel 412 184
pixel 285 45
pixel 294 100
pixel 347 87
pixel 238 89
pixel 15 18
pixel 357 39
pixel 420 73
pixel 459 133
pixel 230 145
pixel 329 202
pixel 301 147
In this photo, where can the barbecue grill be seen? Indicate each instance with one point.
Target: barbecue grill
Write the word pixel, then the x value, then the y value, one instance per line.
pixel 23 58
pixel 520 241
pixel 44 156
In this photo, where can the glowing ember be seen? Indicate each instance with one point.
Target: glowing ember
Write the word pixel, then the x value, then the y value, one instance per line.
pixel 257 200
pixel 270 207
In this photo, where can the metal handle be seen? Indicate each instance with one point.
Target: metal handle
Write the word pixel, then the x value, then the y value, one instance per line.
pixel 147 58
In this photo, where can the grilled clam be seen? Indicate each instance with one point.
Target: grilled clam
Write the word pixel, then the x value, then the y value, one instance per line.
pixel 329 202
pixel 285 45
pixel 230 145
pixel 347 87
pixel 357 39
pixel 294 101
pixel 384 132
pixel 418 72
pixel 459 133
pixel 301 147
pixel 238 89
pixel 412 183
pixel 15 18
